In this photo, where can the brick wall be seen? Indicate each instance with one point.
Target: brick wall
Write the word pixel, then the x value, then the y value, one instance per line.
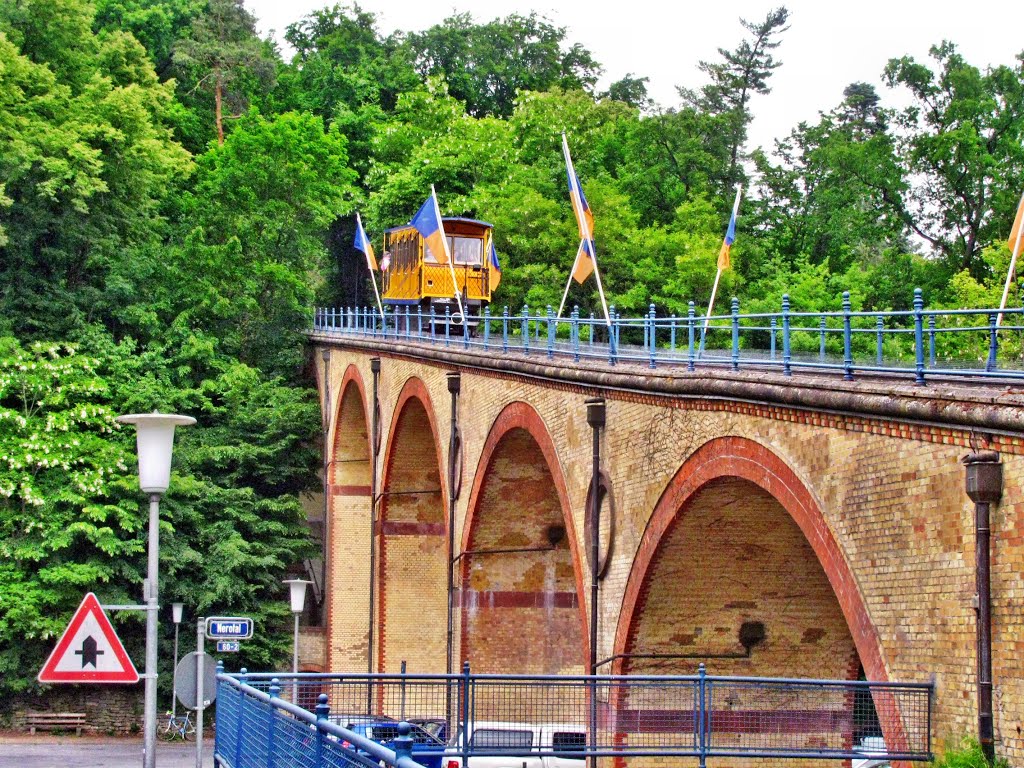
pixel 348 532
pixel 521 610
pixel 879 501
pixel 413 545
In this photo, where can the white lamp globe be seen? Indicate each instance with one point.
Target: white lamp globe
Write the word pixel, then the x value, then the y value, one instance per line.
pixel 154 442
pixel 298 593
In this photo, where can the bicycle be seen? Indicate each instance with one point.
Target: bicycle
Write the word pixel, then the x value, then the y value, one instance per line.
pixel 179 726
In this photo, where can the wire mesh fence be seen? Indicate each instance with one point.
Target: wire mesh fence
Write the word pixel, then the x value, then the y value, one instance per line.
pixel 628 717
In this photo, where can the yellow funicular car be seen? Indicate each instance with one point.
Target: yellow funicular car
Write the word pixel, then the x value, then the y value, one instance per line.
pixel 416 278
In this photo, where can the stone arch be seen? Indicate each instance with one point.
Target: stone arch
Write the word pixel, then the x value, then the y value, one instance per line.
pixel 746 460
pixel 348 552
pixel 412 536
pixel 541 588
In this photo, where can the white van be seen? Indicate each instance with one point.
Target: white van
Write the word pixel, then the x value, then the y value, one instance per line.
pixel 516 745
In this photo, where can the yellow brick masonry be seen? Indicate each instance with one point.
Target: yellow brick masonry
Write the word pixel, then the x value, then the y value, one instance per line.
pixel 891 494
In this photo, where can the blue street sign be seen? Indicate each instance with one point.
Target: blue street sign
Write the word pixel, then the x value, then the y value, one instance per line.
pixel 228 628
pixel 228 646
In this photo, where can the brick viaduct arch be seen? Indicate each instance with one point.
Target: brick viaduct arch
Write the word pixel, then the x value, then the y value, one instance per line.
pixel 412 536
pixel 738 457
pixel 519 439
pixel 348 487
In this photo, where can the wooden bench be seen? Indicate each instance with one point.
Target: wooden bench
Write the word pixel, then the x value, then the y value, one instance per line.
pixel 55 721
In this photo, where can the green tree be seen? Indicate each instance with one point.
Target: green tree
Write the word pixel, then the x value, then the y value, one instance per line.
pixel 740 75
pixel 86 161
pixel 962 136
pixel 487 65
pixel 223 54
pixel 66 524
pixel 157 24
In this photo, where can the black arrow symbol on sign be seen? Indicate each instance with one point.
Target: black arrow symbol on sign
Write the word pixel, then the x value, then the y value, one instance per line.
pixel 89 652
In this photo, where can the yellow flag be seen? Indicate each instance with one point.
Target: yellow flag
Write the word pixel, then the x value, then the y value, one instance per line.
pixel 1015 233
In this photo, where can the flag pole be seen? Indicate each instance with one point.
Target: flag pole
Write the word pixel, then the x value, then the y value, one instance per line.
pixel 588 236
pixel 707 317
pixel 1013 263
pixel 730 234
pixel 373 279
pixel 447 253
pixel 565 293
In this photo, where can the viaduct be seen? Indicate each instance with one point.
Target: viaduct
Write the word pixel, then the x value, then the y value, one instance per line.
pixel 830 516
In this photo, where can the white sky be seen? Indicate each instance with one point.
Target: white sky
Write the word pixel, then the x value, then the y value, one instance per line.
pixel 828 46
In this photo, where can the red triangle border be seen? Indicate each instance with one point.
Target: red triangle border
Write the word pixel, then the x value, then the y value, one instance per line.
pixel 128 673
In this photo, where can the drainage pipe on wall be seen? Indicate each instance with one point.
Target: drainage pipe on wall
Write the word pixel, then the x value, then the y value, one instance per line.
pixel 984 487
pixel 374 448
pixel 596 420
pixel 454 387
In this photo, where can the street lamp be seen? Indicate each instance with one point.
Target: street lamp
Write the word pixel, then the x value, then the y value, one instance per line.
pixel 154 444
pixel 298 600
pixel 176 609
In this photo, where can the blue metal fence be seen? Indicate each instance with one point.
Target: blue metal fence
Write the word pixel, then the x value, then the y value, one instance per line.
pixel 700 716
pixel 258 729
pixel 917 342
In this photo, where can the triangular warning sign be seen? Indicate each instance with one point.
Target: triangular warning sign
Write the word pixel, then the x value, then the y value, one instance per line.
pixel 89 651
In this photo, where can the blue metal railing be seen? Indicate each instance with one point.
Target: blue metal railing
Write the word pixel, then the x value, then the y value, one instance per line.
pixel 702 716
pixel 918 342
pixel 258 729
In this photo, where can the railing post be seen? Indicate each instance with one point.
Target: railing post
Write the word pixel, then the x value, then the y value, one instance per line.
pixel 735 333
pixel 275 691
pixel 847 339
pixel 651 336
pixel 822 329
pixel 879 330
pixel 465 327
pixel 467 727
pixel 591 340
pixel 702 715
pixel 576 333
pixel 524 331
pixel 551 332
pixel 612 336
pixel 433 323
pixel 408 318
pixel 931 340
pixel 419 319
pixel 487 325
pixel 786 355
pixel 322 711
pixel 672 336
pixel 771 341
pixel 919 336
pixel 241 718
pixel 447 326
pixel 993 343
pixel 504 330
pixel 690 332
pixel 403 744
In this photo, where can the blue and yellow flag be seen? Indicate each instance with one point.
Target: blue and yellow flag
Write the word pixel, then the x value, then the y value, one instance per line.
pixel 730 236
pixel 428 223
pixel 494 271
pixel 362 243
pixel 584 264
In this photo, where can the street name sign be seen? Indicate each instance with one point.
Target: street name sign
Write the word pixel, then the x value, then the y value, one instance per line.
pixel 89 651
pixel 228 628
pixel 228 646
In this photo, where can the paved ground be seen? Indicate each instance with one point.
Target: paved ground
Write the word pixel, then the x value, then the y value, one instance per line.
pixel 45 751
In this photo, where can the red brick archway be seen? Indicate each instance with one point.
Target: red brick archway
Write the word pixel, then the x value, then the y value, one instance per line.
pixel 738 457
pixel 412 605
pixel 519 424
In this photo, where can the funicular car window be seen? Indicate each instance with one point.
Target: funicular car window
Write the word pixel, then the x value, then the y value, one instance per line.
pixel 495 738
pixel 467 250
